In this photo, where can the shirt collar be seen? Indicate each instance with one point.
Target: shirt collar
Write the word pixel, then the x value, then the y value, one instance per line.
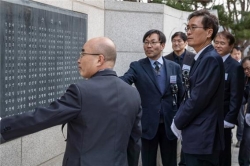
pixel 224 58
pixel 181 56
pixel 160 60
pixel 198 54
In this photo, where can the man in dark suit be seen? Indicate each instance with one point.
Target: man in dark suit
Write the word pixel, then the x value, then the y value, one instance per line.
pixel 244 152
pixel 184 58
pixel 103 119
pixel 234 88
pixel 159 83
pixel 237 55
pixel 199 120
pixel 180 55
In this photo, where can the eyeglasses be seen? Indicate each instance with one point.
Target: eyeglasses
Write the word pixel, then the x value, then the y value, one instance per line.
pixel 246 69
pixel 221 43
pixel 177 41
pixel 146 43
pixel 192 28
pixel 82 53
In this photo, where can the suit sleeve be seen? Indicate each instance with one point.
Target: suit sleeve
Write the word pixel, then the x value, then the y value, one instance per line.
pixel 236 95
pixel 248 104
pixel 58 112
pixel 130 76
pixel 206 81
pixel 134 145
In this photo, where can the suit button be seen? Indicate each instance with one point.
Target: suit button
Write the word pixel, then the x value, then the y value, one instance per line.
pixel 6 128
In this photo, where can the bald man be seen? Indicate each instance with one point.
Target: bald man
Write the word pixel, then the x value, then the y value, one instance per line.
pixel 103 119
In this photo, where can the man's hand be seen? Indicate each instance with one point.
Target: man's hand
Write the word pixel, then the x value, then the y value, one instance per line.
pixel 228 125
pixel 248 119
pixel 176 131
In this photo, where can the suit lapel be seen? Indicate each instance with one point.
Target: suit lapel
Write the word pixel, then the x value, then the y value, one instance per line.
pixel 227 63
pixel 188 59
pixel 146 65
pixel 171 56
pixel 197 62
pixel 168 68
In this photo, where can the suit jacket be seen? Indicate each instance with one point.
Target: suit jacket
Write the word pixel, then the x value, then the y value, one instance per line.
pixel 234 89
pixel 103 122
pixel 201 116
pixel 188 58
pixel 142 75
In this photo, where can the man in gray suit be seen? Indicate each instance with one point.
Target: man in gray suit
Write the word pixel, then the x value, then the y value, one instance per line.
pixel 103 119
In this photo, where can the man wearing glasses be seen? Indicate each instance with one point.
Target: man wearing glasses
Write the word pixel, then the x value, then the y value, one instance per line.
pixel 234 88
pixel 159 83
pixel 200 116
pixel 185 59
pixel 180 55
pixel 103 119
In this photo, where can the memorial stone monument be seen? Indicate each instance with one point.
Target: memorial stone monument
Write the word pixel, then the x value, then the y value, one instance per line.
pixel 39 49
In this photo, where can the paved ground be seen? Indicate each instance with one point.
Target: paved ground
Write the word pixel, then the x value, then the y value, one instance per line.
pixel 235 152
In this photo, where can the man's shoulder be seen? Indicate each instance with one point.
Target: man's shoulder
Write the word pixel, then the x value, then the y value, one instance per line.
pixel 137 62
pixel 233 66
pixel 211 53
pixel 169 62
pixel 233 62
pixel 169 56
pixel 190 53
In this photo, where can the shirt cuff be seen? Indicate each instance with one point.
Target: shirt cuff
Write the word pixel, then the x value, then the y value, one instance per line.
pixel 247 117
pixel 228 125
pixel 176 131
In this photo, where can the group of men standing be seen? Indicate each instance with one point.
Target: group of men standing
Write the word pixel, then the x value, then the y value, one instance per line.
pixel 207 102
pixel 191 97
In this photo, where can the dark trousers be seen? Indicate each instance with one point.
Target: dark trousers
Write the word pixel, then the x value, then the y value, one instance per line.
pixel 244 152
pixel 239 131
pixel 202 159
pixel 168 149
pixel 225 155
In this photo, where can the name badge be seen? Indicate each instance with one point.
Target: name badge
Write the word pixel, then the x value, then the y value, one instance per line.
pixel 226 75
pixel 173 79
pixel 186 67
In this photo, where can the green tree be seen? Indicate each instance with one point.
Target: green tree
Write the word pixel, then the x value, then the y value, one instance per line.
pixel 234 16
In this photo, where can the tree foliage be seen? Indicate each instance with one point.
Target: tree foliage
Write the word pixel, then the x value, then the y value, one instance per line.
pixel 234 15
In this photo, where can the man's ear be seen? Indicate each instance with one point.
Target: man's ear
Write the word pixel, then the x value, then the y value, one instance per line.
pixel 162 46
pixel 209 33
pixel 101 59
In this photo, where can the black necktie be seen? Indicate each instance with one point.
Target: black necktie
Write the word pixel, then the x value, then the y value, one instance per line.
pixel 157 68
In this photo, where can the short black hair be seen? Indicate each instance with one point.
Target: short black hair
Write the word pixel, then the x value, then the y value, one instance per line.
pixel 162 37
pixel 228 36
pixel 247 58
pixel 182 35
pixel 209 20
pixel 237 48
